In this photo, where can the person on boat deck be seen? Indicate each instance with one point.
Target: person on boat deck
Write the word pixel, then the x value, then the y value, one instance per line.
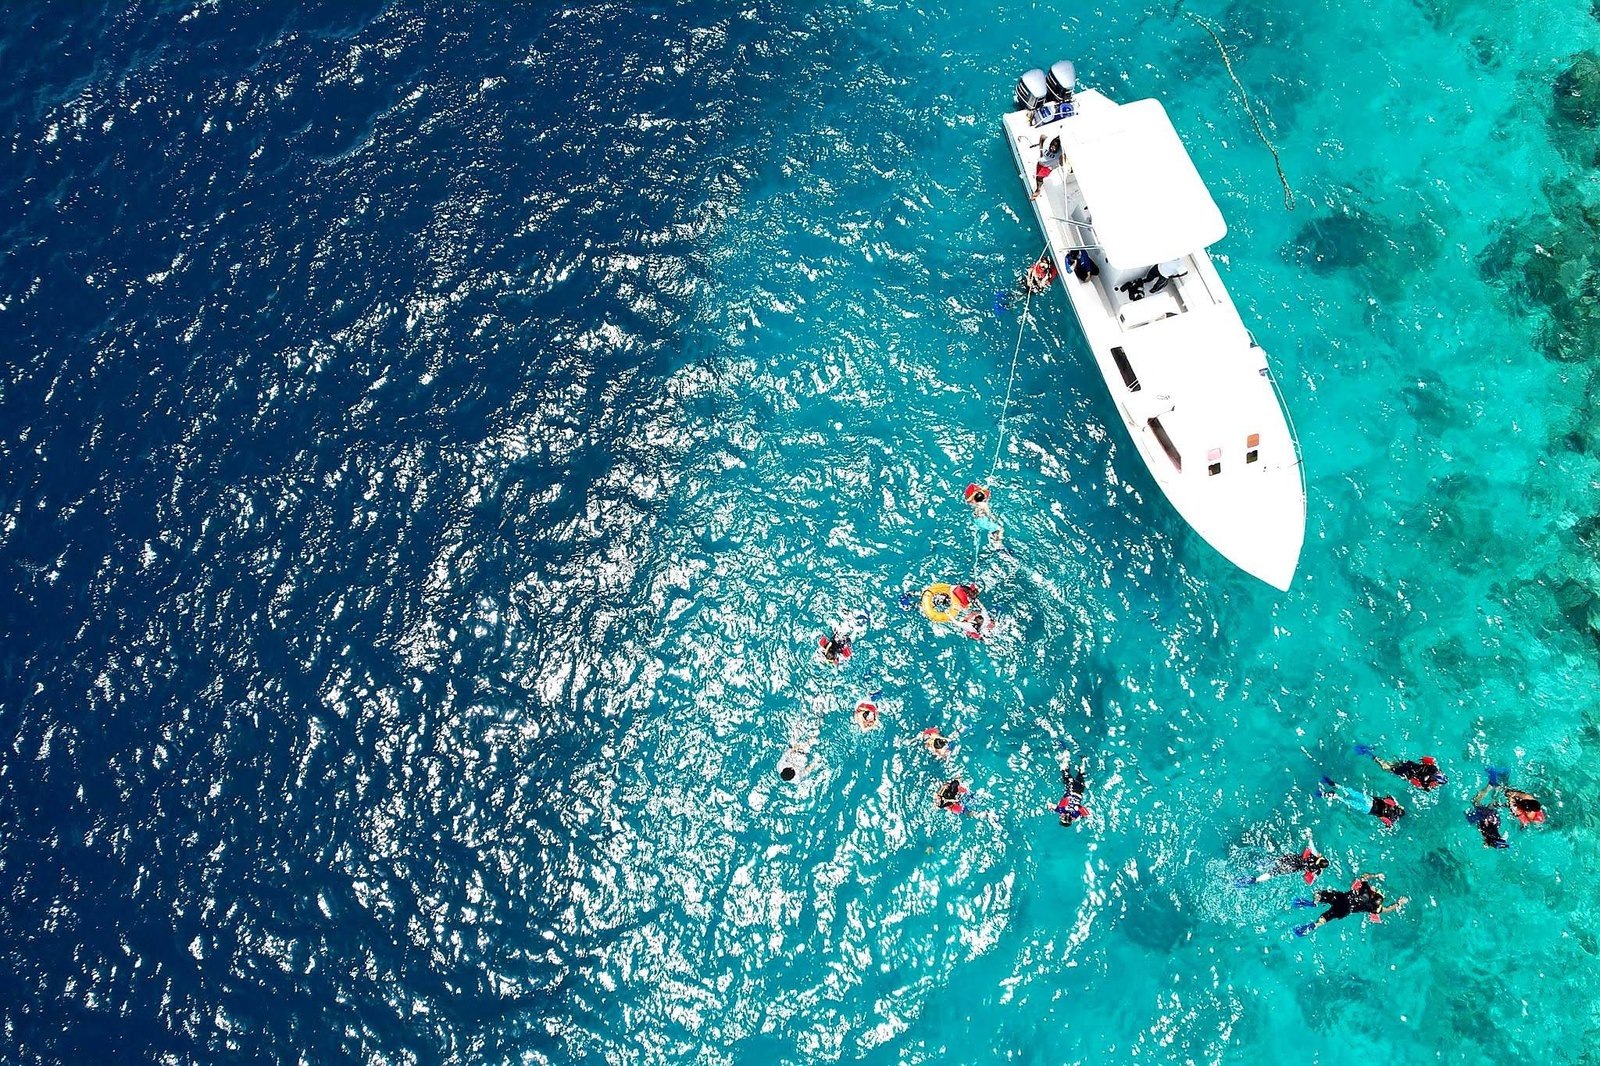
pixel 1308 864
pixel 1385 809
pixel 949 796
pixel 1040 275
pixel 1049 159
pixel 1070 807
pixel 978 499
pixel 1524 806
pixel 1423 773
pixel 1364 897
pixel 1083 268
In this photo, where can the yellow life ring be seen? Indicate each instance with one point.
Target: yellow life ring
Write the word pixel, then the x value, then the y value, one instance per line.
pixel 939 603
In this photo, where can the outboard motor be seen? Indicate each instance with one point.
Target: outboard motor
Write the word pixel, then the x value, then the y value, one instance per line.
pixel 1060 81
pixel 1033 89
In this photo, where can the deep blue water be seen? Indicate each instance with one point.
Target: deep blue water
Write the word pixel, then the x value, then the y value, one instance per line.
pixel 434 437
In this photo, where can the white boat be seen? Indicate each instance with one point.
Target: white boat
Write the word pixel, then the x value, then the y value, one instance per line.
pixel 1187 378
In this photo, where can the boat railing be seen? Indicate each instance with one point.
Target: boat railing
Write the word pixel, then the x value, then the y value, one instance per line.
pixel 1080 231
pixel 1283 405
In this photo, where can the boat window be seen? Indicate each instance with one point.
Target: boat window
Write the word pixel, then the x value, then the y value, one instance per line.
pixel 1214 461
pixel 1253 443
pixel 1166 442
pixel 1125 368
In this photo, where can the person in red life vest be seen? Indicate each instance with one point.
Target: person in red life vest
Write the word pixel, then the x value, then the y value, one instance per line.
pixel 1364 897
pixel 1423 773
pixel 977 623
pixel 936 742
pixel 1040 275
pixel 866 713
pixel 1385 809
pixel 977 498
pixel 1524 806
pixel 1308 863
pixel 835 647
pixel 1070 807
pixel 949 796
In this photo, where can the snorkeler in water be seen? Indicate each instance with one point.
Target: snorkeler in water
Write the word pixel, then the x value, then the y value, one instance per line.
pixel 836 644
pixel 977 498
pixel 1070 807
pixel 793 764
pixel 936 742
pixel 835 648
pixel 1308 864
pixel 949 796
pixel 1487 819
pixel 866 713
pixel 1384 808
pixel 1423 773
pixel 1524 806
pixel 1364 897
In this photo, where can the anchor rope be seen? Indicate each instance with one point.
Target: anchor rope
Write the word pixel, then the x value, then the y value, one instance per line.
pixel 1288 193
pixel 1005 406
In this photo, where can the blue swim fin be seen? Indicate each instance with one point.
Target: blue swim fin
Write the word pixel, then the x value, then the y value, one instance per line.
pixel 1302 902
pixel 1302 930
pixel 1002 303
pixel 1497 776
pixel 908 600
pixel 1243 881
pixel 1363 749
pixel 1327 786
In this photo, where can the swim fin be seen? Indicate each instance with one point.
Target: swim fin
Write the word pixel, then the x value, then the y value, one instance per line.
pixel 1302 902
pixel 1362 749
pixel 1497 776
pixel 1302 930
pixel 1243 881
pixel 1327 786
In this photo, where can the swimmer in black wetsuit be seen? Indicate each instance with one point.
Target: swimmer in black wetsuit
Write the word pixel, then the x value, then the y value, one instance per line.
pixel 1364 897
pixel 949 796
pixel 1308 864
pixel 1423 773
pixel 835 648
pixel 1070 807
pixel 1383 808
pixel 1487 819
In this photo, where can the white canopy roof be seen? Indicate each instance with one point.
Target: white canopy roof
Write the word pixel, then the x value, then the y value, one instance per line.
pixel 1145 198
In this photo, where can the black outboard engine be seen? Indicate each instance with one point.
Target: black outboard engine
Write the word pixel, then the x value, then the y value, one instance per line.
pixel 1060 81
pixel 1033 89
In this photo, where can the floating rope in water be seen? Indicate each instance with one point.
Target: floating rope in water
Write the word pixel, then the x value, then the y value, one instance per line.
pixel 1288 193
pixel 1005 407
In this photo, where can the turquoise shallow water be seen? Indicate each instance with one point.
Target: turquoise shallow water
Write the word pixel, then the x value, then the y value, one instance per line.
pixel 437 437
pixel 846 379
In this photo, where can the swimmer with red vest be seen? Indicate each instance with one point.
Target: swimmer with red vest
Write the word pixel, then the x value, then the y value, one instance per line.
pixel 1524 806
pixel 949 796
pixel 1308 864
pixel 1070 807
pixel 1364 897
pixel 866 713
pixel 1383 808
pixel 978 498
pixel 1424 773
pixel 835 644
pixel 1040 275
